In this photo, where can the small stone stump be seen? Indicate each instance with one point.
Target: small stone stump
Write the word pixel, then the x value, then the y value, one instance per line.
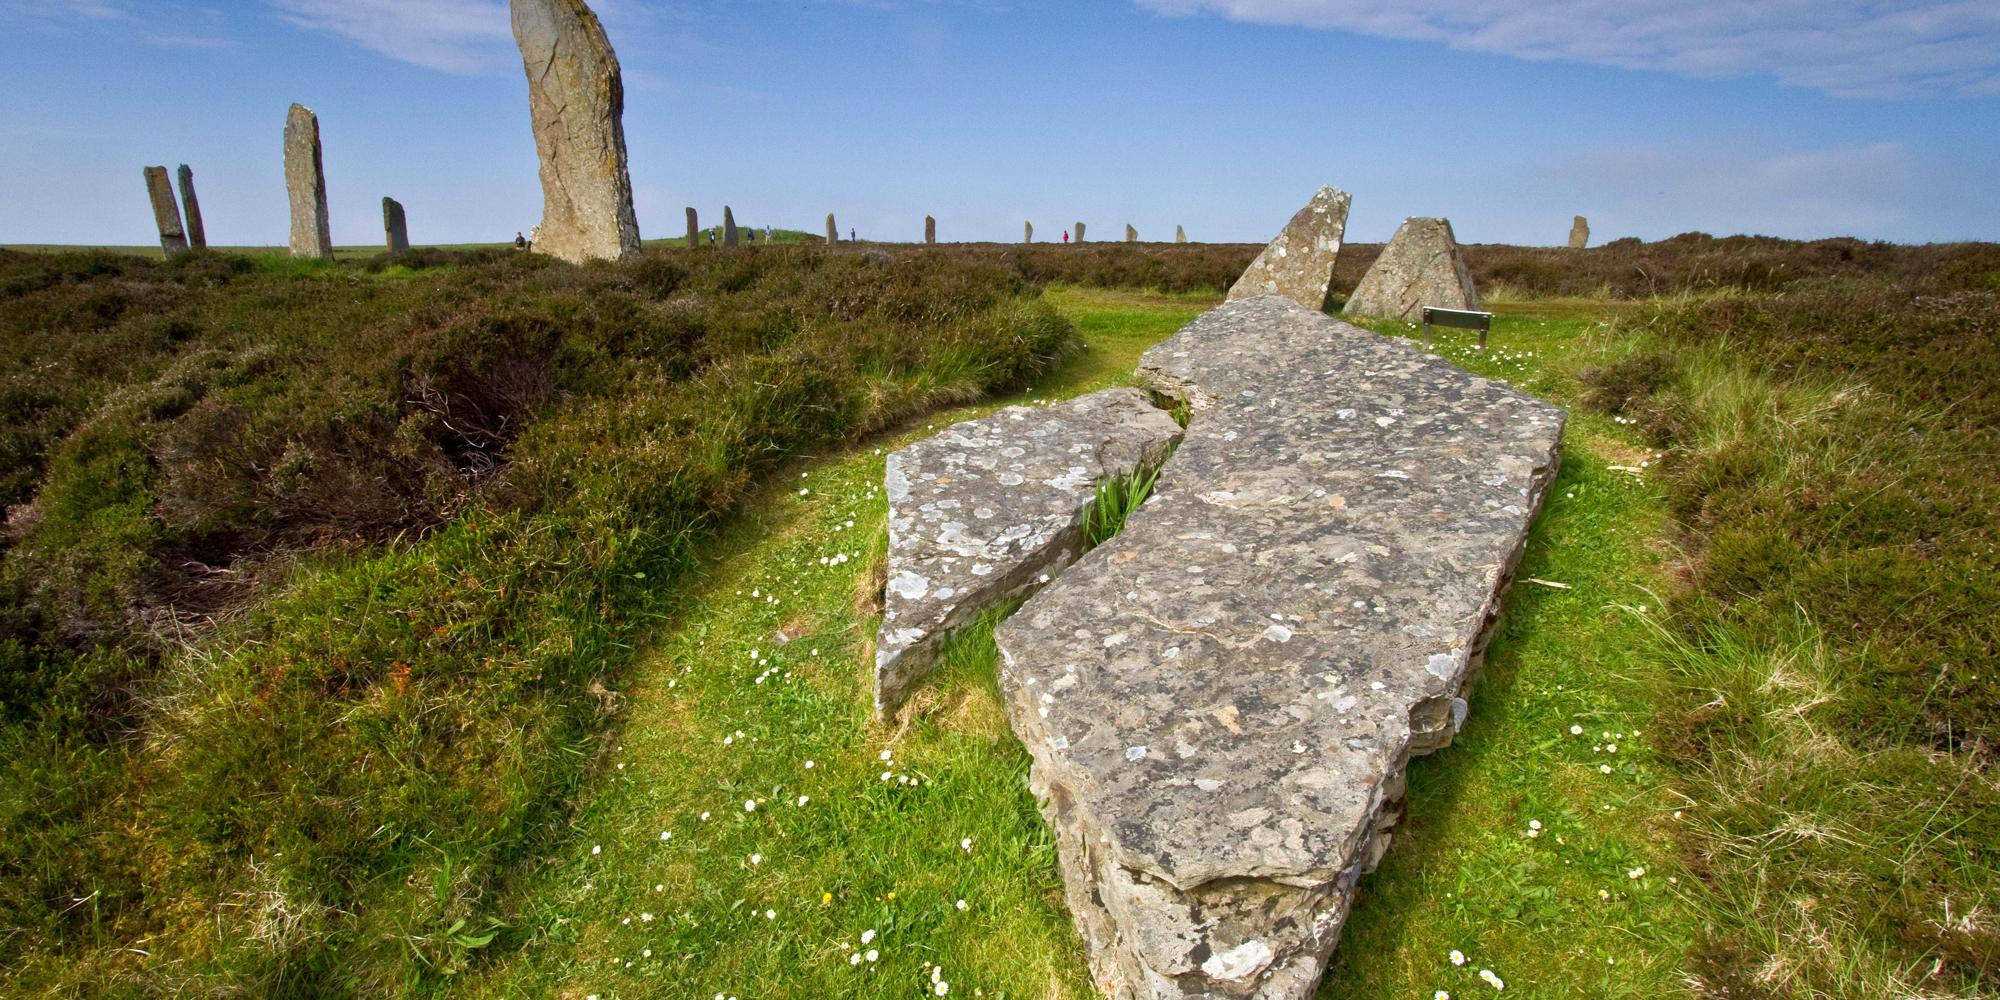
pixel 1420 267
pixel 1298 264
pixel 305 183
pixel 166 212
pixel 988 508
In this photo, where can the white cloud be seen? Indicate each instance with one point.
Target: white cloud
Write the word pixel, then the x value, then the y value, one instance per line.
pixel 1848 48
pixel 53 10
pixel 453 36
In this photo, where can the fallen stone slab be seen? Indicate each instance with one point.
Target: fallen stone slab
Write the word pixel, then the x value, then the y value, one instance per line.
pixel 1420 267
pixel 989 508
pixel 1220 702
pixel 1298 263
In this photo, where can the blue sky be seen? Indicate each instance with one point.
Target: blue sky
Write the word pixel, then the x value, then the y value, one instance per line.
pixel 1801 118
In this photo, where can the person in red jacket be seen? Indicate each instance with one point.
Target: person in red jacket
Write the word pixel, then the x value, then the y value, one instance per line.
pixel 1065 236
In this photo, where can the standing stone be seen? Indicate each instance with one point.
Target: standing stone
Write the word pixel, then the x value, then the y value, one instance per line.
pixel 1079 232
pixel 166 212
pixel 729 234
pixel 1299 263
pixel 1420 267
pixel 395 227
pixel 1180 234
pixel 305 181
pixel 1027 232
pixel 694 228
pixel 197 236
pixel 1579 233
pixel 832 230
pixel 1131 235
pixel 576 99
pixel 930 229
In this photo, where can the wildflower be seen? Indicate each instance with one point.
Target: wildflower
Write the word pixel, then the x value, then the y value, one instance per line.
pixel 1534 824
pixel 854 959
pixel 809 765
pixel 825 898
pixel 770 914
pixel 803 799
pixel 1604 894
pixel 756 859
pixel 749 805
pixel 704 817
pixel 961 905
pixel 596 849
pixel 965 845
pixel 1457 957
pixel 1636 873
pixel 647 953
pixel 1440 995
pixel 1491 979
pixel 868 936
pixel 666 834
pixel 1606 768
pixel 941 988
pixel 873 955
pixel 885 755
pixel 1576 730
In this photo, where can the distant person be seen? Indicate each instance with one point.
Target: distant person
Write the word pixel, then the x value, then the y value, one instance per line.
pixel 850 234
pixel 1065 236
pixel 767 234
pixel 711 237
pixel 751 236
pixel 520 241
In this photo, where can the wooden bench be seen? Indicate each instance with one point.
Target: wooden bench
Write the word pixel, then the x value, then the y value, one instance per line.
pixel 1458 319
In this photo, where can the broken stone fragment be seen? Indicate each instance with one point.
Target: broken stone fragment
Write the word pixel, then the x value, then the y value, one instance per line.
pixel 1220 703
pixel 991 508
pixel 1420 267
pixel 1298 264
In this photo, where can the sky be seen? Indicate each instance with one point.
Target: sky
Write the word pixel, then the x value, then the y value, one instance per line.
pixel 1799 118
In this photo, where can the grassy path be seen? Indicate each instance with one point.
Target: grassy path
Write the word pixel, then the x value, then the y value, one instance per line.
pixel 752 834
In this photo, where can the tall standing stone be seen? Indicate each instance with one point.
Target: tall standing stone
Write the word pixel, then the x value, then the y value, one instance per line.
pixel 196 234
pixel 1131 235
pixel 729 234
pixel 1299 263
pixel 1079 232
pixel 305 182
pixel 930 229
pixel 1579 233
pixel 395 227
pixel 1420 267
pixel 1180 234
pixel 694 228
pixel 832 230
pixel 1027 232
pixel 166 212
pixel 576 99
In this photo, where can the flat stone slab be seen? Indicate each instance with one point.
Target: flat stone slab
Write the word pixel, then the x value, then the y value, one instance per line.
pixel 1221 701
pixel 990 508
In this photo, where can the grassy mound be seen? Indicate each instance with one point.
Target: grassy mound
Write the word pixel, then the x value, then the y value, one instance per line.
pixel 314 575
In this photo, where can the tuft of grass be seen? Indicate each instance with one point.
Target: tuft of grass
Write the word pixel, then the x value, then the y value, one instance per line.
pixel 1117 497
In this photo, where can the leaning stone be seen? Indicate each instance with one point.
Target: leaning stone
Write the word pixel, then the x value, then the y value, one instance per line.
pixel 1180 234
pixel 989 508
pixel 832 230
pixel 1299 263
pixel 1027 232
pixel 305 182
pixel 1420 267
pixel 1221 701
pixel 395 226
pixel 730 236
pixel 1079 232
pixel 197 234
pixel 1579 233
pixel 930 229
pixel 576 100
pixel 694 227
pixel 166 212
pixel 1131 235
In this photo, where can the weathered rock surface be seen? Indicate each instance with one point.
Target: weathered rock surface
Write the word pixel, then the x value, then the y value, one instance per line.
pixel 730 236
pixel 166 212
pixel 1131 234
pixel 1079 232
pixel 1180 234
pixel 1420 267
pixel 576 99
pixel 1298 264
pixel 395 226
pixel 694 227
pixel 986 509
pixel 832 230
pixel 1220 702
pixel 1579 233
pixel 930 229
pixel 305 183
pixel 197 234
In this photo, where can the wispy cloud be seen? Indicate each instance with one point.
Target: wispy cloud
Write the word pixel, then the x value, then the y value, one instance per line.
pixel 1847 48
pixel 58 10
pixel 452 36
